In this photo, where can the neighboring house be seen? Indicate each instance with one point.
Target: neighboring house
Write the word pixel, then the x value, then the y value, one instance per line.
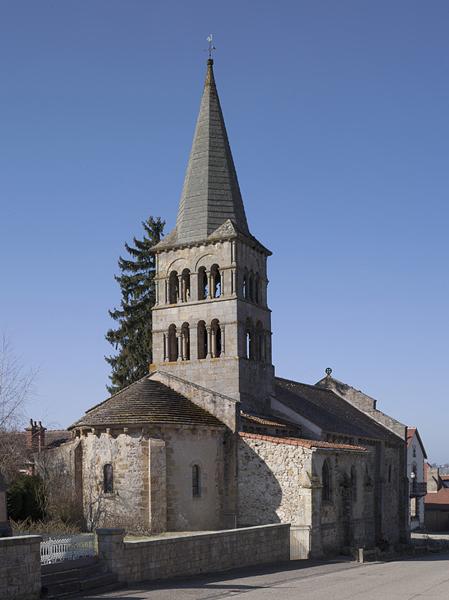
pixel 444 480
pixel 35 439
pixel 437 500
pixel 416 459
pixel 210 438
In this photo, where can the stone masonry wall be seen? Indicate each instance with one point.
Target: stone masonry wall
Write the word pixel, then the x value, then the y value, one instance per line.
pixel 152 478
pixel 192 554
pixel 281 482
pixel 20 568
pixel 346 520
pixel 128 504
pixel 185 448
pixel 274 482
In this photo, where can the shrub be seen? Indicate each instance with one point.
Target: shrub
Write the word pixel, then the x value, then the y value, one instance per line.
pixel 23 498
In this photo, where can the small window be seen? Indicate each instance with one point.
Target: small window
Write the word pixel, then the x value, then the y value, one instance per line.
pixel 196 481
pixel 353 484
pixel 108 481
pixel 326 482
pixel 414 452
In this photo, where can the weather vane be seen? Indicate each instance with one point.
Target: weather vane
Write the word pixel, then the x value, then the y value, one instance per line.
pixel 211 48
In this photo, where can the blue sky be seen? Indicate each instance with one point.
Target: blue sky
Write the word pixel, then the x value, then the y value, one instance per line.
pixel 337 113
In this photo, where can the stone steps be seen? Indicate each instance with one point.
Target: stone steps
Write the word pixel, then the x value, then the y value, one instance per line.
pixel 66 579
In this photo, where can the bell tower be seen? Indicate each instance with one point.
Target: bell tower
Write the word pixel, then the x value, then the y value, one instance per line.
pixel 211 321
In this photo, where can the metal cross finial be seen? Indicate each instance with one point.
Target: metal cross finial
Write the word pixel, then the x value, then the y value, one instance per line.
pixel 211 48
pixel 328 371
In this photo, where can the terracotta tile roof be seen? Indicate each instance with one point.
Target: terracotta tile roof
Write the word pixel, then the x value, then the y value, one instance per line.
pixel 444 477
pixel 440 498
pixel 301 442
pixel 328 411
pixel 147 402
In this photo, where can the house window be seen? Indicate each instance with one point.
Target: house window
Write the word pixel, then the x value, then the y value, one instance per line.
pixel 326 482
pixel 196 481
pixel 414 452
pixel 108 480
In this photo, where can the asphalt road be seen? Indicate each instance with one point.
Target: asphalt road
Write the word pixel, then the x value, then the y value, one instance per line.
pixel 418 578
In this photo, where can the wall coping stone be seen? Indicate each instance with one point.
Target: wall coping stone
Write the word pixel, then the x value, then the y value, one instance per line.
pixel 110 531
pixel 205 535
pixel 18 540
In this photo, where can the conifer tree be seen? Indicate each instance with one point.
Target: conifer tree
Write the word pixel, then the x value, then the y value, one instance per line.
pixel 132 337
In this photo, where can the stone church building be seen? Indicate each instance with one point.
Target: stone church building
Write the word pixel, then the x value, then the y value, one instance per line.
pixel 211 438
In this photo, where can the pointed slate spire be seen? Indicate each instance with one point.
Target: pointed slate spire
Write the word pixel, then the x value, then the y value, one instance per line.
pixel 211 192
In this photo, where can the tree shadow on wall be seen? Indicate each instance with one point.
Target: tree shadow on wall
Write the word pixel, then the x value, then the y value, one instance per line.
pixel 259 492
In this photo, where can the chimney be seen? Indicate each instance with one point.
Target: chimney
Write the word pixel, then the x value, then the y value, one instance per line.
pixel 41 438
pixel 35 439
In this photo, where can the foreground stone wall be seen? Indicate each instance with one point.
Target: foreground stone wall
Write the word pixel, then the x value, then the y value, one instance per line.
pixel 20 568
pixel 192 554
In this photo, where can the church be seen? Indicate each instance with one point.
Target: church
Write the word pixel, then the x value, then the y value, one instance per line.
pixel 211 439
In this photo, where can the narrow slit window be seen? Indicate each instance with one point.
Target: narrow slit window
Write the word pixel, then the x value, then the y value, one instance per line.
pixel 196 481
pixel 108 479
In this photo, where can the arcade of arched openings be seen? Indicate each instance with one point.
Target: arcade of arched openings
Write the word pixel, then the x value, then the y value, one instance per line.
pixel 209 284
pixel 211 342
pixel 251 287
pixel 256 341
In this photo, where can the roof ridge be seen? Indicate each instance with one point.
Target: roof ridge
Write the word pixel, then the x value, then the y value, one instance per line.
pixel 309 385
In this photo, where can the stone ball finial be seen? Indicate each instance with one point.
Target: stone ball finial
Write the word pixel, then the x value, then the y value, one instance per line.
pixel 328 371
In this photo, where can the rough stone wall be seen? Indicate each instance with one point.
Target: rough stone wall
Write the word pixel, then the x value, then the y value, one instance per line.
pixel 274 483
pixel 20 568
pixel 347 519
pixel 392 496
pixel 192 554
pixel 279 482
pixel 152 479
pixel 128 504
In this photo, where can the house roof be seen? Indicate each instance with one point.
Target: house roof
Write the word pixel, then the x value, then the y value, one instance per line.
pixel 147 402
pixel 56 437
pixel 411 432
pixel 211 193
pixel 301 442
pixel 440 498
pixel 328 411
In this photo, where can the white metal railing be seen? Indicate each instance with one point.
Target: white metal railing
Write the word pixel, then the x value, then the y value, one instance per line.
pixel 67 547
